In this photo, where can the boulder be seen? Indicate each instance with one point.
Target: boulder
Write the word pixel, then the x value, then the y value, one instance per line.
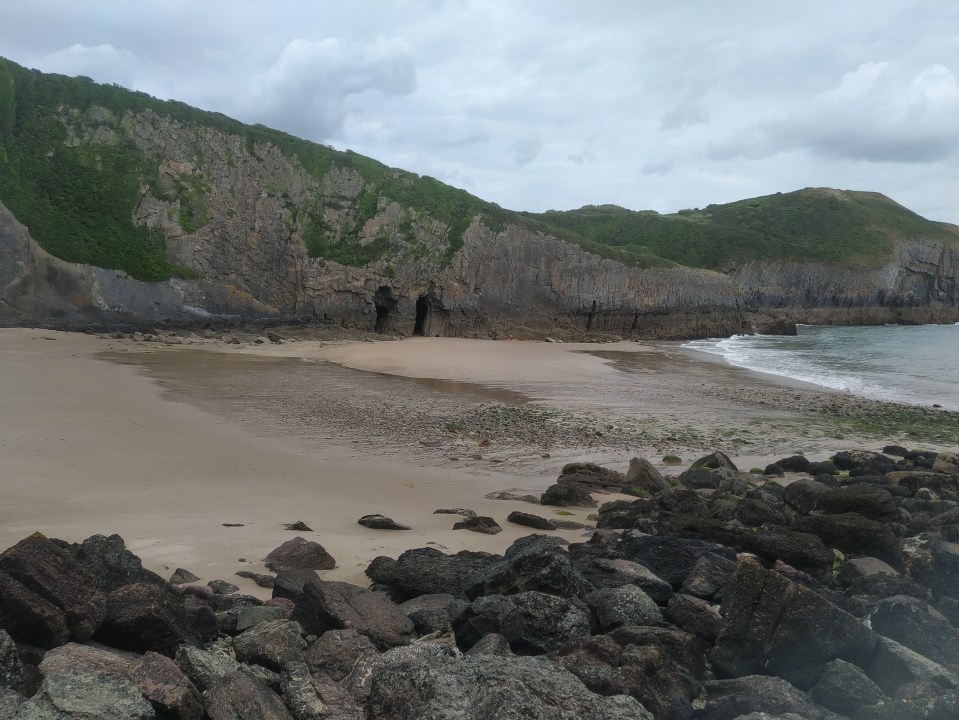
pixel 854 534
pixel 773 625
pixel 530 520
pixel 946 463
pixel 567 496
pixel 643 475
pixel 893 665
pixel 679 647
pixel 804 494
pixel 615 572
pixel 708 577
pixel 427 571
pixel 222 587
pixel 381 522
pixel 859 568
pixel 845 689
pixel 10 702
pixel 271 644
pixel 87 694
pixel 71 657
pixel 670 558
pixel 623 514
pixel 481 524
pixel 312 698
pixel 107 559
pixel 680 500
pixel 238 696
pixel 300 553
pixel 181 576
pixel 945 575
pixel 247 617
pixel 145 617
pixel 695 616
pixel 48 597
pixel 590 476
pixel 261 579
pixel 715 461
pixel 626 605
pixel 866 500
pixel 168 690
pixel 728 699
pixel 204 667
pixel 531 563
pixel 12 672
pixel 330 605
pixel 532 622
pixel 335 653
pixel 920 627
pixel 795 463
pixel 429 682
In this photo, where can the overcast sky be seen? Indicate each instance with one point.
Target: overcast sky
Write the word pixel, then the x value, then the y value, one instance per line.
pixel 555 104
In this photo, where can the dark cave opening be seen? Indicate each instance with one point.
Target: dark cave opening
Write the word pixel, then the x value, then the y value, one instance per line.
pixel 422 315
pixel 385 304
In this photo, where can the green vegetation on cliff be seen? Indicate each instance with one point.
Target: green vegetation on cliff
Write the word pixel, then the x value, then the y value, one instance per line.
pixel 812 224
pixel 78 191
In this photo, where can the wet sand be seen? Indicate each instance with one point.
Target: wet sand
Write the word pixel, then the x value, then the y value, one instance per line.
pixel 165 444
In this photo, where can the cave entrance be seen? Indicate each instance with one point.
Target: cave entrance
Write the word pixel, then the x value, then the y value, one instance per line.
pixel 385 305
pixel 423 312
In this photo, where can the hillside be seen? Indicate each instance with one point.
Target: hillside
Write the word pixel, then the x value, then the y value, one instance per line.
pixel 118 206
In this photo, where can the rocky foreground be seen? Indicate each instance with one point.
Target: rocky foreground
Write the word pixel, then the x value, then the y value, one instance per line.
pixel 816 590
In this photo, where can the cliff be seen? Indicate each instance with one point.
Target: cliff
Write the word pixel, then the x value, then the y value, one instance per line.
pixel 118 207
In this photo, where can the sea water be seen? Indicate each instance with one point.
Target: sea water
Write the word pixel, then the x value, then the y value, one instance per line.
pixel 915 364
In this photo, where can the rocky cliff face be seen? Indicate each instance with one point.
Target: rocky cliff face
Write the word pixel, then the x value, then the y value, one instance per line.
pixel 258 233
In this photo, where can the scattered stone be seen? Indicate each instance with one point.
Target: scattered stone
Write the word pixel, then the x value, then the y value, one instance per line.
pixel 181 577
pixel 381 522
pixel 298 526
pixel 508 495
pixel 260 579
pixel 530 520
pixel 222 587
pixel 642 474
pixel 567 496
pixel 465 512
pixel 301 554
pixel 481 524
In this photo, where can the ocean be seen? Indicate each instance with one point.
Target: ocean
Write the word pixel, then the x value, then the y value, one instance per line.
pixel 915 364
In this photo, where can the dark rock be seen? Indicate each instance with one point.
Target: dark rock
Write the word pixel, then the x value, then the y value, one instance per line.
pixel 614 572
pixel 893 665
pixel 728 481
pixel 532 622
pixel 623 514
pixel 204 667
pixel 567 496
pixel 72 657
pixel 773 625
pixel 854 534
pixel 330 605
pixel 250 616
pixel 795 463
pixel 10 702
pixel 433 613
pixel 808 582
pixel 728 699
pixel 845 689
pixel 866 500
pixel 693 615
pixel 774 470
pixel 491 644
pixel 856 458
pixel 381 522
pixel 626 605
pixel 222 587
pixel 47 596
pixel 12 674
pixel 670 558
pixel 858 568
pixel 169 691
pixel 948 606
pixel 804 494
pixel 288 583
pixel 181 577
pixel 715 461
pixel 709 577
pixel 301 554
pixel 145 617
pixel 895 450
pixel 110 563
pixel 260 579
pixel 680 501
pixel 918 626
pixel 530 520
pixel 427 571
pixel 335 652
pixel 271 644
pixel 643 475
pixel 429 682
pixel 876 587
pixel 201 617
pixel 590 476
pixel 238 696
pixel 756 513
pixel 87 694
pixel 480 523
pixel 945 575
pixel 680 647
pixel 298 526
pixel 465 512
pixel 531 563
pixel 311 698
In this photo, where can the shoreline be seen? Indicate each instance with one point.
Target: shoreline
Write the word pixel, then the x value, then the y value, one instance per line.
pixel 176 440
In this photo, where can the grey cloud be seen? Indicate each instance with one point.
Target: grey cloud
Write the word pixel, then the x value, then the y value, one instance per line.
pixel 525 151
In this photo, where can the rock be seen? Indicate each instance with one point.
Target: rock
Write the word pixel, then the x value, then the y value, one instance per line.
pixel 222 587
pixel 804 494
pixel 626 605
pixel 259 578
pixel 274 337
pixel 532 622
pixel 695 616
pixel 204 667
pixel 946 463
pixel 298 526
pixel 945 576
pixel 530 563
pixel 679 647
pixel 87 694
pixel 427 571
pixel 381 522
pixel 858 568
pixel 623 514
pixel 181 577
pixel 433 613
pixel 646 673
pixel 709 576
pixel 110 563
pixel 428 682
pixel 330 605
pixel 530 520
pixel 10 702
pixel 773 625
pixel 893 665
pixel 48 597
pixel 481 524
pixel 670 558
pixel 271 644
pixel 12 673
pixel 756 513
pixel 845 689
pixel 642 474
pixel 335 652
pixel 465 512
pixel 491 644
pixel 854 534
pixel 312 698
pixel 238 696
pixel 918 626
pixel 795 463
pixel 866 500
pixel 715 461
pixel 567 496
pixel 590 477
pixel 615 572
pixel 248 617
pixel 169 691
pixel 145 617
pixel 300 554
pixel 72 657
pixel 728 699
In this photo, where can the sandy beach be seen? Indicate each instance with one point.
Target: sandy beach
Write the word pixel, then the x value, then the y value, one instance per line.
pixel 167 443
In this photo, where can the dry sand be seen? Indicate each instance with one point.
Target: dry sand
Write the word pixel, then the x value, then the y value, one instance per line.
pixel 173 442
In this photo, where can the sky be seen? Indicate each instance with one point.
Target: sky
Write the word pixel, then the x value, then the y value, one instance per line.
pixel 556 104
